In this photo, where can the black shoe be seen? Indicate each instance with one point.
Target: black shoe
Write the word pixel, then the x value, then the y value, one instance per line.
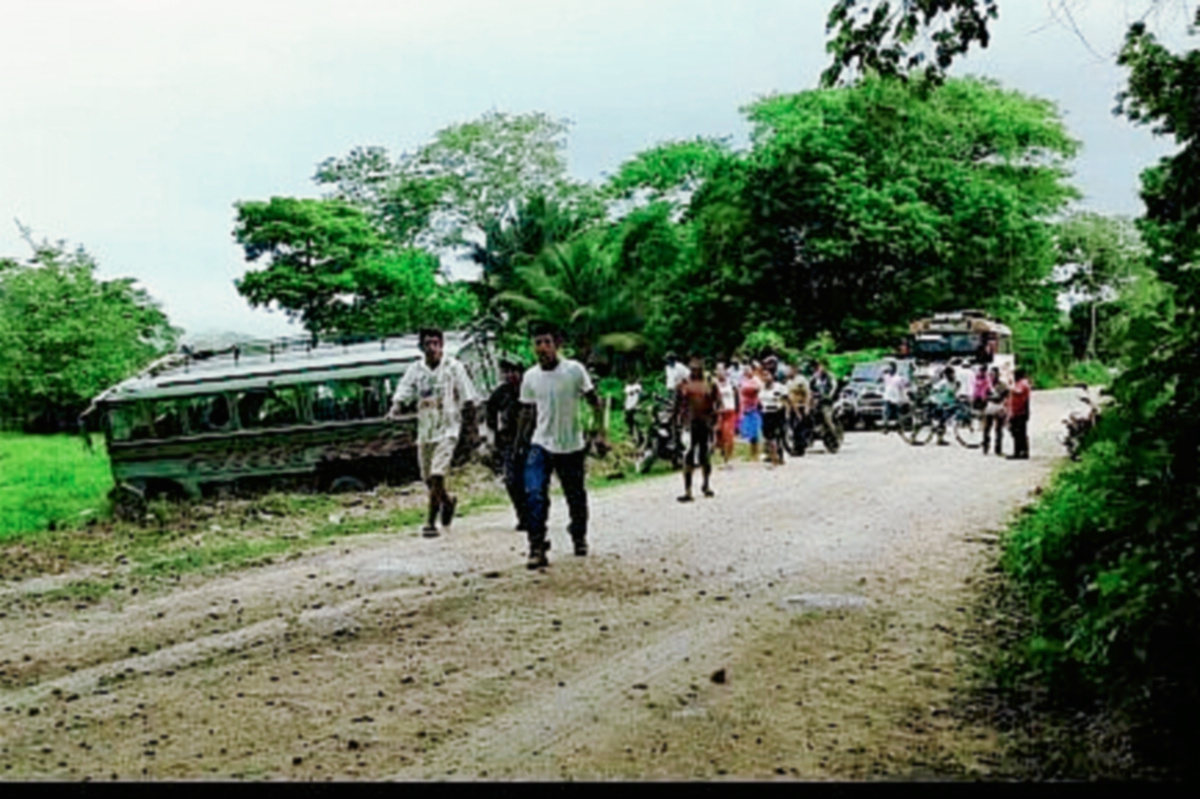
pixel 448 511
pixel 537 556
pixel 429 531
pixel 708 492
pixel 685 498
pixel 580 547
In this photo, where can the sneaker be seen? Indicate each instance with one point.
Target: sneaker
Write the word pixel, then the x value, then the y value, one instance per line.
pixel 537 558
pixel 429 531
pixel 448 511
pixel 686 498
pixel 580 547
pixel 708 492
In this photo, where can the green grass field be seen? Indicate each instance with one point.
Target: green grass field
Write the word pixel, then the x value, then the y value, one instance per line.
pixel 50 479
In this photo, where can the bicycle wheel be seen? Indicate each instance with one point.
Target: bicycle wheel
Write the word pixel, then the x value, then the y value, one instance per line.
pixel 968 428
pixel 923 428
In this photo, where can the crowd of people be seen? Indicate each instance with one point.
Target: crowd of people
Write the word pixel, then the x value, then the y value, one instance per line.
pixel 1000 405
pixel 535 415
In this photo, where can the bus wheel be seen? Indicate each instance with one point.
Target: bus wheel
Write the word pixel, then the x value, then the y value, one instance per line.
pixel 129 502
pixel 347 484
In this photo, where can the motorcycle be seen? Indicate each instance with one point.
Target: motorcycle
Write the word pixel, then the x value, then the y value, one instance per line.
pixel 663 439
pixel 822 423
pixel 1079 424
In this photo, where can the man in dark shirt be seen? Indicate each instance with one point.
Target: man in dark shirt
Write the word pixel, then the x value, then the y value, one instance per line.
pixel 503 409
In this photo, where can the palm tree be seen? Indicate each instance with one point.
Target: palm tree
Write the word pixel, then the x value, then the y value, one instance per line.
pixel 577 287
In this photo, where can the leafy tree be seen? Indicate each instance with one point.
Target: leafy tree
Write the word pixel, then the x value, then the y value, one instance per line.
pixel 312 248
pixel 401 291
pixel 860 208
pixel 65 335
pixel 670 169
pixel 1098 257
pixel 881 37
pixel 470 174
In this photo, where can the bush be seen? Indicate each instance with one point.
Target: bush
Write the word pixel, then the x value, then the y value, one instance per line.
pixel 1094 373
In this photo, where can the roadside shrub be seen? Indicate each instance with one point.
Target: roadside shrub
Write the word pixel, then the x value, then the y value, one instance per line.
pixel 1094 373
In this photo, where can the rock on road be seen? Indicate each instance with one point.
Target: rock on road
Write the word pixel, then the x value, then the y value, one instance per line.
pixel 678 648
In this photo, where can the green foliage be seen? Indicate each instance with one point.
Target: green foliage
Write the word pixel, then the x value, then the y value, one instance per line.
pixel 400 291
pixel 762 341
pixel 469 176
pixel 312 248
pixel 51 479
pixel 65 335
pixel 1098 258
pixel 672 167
pixel 882 38
pixel 329 268
pixel 859 209
pixel 514 242
pixel 576 287
pixel 841 364
pixel 1093 373
pixel 1108 558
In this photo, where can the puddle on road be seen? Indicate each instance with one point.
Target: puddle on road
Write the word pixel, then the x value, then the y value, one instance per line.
pixel 804 602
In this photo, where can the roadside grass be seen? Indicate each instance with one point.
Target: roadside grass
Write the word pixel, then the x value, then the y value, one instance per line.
pixel 179 538
pixel 51 481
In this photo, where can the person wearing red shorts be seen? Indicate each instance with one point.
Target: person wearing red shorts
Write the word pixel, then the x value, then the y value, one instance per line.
pixel 728 414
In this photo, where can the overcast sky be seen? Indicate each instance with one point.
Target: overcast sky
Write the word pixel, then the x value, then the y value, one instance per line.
pixel 132 126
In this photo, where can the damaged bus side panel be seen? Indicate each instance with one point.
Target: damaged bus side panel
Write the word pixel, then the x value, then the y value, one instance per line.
pixel 286 415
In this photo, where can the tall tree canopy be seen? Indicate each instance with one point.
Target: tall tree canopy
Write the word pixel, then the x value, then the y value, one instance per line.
pixel 312 248
pixel 859 208
pixel 894 38
pixel 329 268
pixel 469 175
pixel 66 335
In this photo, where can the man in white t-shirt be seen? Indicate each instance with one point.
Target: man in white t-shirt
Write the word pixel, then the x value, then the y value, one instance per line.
pixel 676 373
pixel 550 403
pixel 445 396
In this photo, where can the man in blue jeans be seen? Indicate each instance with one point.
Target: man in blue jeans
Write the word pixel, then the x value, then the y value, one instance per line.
pixel 550 395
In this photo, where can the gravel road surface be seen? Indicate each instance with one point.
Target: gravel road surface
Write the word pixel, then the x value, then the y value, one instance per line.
pixel 807 622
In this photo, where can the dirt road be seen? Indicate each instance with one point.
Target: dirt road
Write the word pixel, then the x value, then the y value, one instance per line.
pixel 809 621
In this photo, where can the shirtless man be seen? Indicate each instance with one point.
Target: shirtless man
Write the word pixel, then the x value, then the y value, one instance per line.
pixel 697 403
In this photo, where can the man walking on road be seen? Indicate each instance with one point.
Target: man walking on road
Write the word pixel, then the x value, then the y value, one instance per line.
pixel 550 394
pixel 503 415
pixel 1018 415
pixel 697 402
pixel 445 399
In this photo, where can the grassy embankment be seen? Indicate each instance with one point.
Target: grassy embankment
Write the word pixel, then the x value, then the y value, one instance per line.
pixel 51 481
pixel 54 517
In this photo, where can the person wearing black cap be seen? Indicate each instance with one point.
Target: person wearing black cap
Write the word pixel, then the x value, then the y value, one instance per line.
pixel 503 412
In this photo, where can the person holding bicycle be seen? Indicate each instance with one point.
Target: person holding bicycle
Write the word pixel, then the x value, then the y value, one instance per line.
pixel 943 399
